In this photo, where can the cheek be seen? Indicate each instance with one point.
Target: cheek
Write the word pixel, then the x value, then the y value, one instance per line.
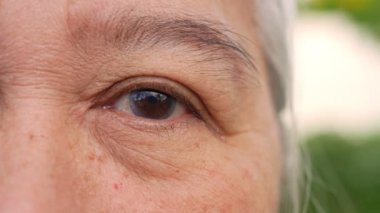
pixel 239 182
pixel 181 171
pixel 241 175
pixel 224 183
pixel 226 186
pixel 223 188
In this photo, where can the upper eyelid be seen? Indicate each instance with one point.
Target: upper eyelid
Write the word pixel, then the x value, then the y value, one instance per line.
pixel 200 110
pixel 133 83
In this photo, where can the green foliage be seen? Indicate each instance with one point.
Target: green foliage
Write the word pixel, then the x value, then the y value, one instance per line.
pixel 346 173
pixel 364 12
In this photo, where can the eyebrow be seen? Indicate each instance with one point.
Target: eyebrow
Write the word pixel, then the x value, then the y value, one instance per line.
pixel 210 40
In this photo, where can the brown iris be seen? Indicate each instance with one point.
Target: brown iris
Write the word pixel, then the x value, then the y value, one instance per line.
pixel 151 104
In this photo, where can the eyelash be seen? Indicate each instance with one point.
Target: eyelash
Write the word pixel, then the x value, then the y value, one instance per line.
pixel 191 101
pixel 150 83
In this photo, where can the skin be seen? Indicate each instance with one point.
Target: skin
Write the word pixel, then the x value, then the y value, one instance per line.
pixel 63 150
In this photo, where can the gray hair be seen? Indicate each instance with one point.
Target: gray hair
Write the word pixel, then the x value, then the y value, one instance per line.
pixel 274 19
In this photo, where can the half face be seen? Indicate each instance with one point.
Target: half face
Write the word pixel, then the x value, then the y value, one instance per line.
pixel 135 106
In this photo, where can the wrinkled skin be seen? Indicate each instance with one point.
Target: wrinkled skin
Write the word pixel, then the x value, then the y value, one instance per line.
pixel 61 150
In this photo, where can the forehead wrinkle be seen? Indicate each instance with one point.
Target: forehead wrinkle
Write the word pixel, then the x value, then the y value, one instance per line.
pixel 129 32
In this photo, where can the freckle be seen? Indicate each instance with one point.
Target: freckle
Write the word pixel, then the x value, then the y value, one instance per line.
pixel 91 156
pixel 31 136
pixel 117 186
pixel 24 163
pixel 86 178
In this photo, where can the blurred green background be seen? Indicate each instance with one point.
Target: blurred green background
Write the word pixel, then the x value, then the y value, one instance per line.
pixel 345 166
pixel 364 12
pixel 345 172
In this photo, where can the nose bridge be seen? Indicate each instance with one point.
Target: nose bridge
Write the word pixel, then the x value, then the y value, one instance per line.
pixel 28 158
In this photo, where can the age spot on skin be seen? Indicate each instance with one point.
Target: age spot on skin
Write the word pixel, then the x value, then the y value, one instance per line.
pixel 94 157
pixel 31 136
pixel 197 145
pixel 118 186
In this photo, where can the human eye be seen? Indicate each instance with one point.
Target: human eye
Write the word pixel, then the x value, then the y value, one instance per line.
pixel 150 104
pixel 154 100
pixel 137 118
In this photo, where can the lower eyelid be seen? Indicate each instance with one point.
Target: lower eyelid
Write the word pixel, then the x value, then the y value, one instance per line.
pixel 110 127
pixel 156 128
pixel 123 119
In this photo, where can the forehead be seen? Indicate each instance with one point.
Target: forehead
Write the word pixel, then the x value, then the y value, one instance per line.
pixel 35 32
pixel 39 14
pixel 44 23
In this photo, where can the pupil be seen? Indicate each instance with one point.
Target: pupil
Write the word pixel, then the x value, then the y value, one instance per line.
pixel 151 104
